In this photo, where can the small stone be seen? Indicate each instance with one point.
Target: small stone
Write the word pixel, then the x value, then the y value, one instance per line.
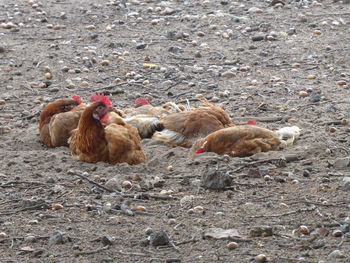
pixel 2 102
pixel 342 162
pixel 90 27
pixel 317 32
pixel 167 11
pixel 311 77
pixel 255 10
pixel 57 206
pixel 30 238
pixel 216 179
pixel 141 46
pixel 3 235
pixel 126 184
pixel 48 75
pixel 228 74
pixel 257 38
pixel 141 208
pixel 113 184
pixel 304 230
pixel 336 254
pixel 105 62
pixel 261 231
pixel 169 168
pixel 57 238
pixel 260 258
pixel 107 240
pixel 341 83
pixel 303 94
pixel 337 233
pixel 232 245
pixel 159 238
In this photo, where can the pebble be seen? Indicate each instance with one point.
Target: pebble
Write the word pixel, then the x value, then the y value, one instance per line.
pixel 2 102
pixel 232 245
pixel 337 233
pixel 261 231
pixel 260 258
pixel 105 62
pixel 336 254
pixel 48 75
pixel 257 38
pixel 304 230
pixel 228 74
pixel 255 10
pixel 215 179
pixel 57 238
pixel 30 238
pixel 3 235
pixel 159 238
pixel 341 82
pixel 90 27
pixel 311 77
pixel 57 206
pixel 141 45
pixel 113 184
pixel 303 94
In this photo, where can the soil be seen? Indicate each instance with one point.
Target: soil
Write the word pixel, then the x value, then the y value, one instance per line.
pixel 279 65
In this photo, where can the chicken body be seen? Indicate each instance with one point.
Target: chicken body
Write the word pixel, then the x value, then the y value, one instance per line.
pixel 57 120
pixel 113 141
pixel 158 111
pixel 181 129
pixel 242 140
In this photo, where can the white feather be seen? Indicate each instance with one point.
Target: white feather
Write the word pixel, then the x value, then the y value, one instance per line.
pixel 288 135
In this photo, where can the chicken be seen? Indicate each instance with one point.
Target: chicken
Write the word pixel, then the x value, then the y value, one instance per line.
pixel 181 129
pixel 58 119
pixel 244 140
pixel 98 139
pixel 142 107
pixel 145 117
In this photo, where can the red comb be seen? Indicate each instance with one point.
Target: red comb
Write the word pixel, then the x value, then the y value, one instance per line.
pixel 251 122
pixel 101 98
pixel 77 99
pixel 200 150
pixel 141 101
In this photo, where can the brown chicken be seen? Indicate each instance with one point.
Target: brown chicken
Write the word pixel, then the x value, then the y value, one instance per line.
pixel 242 140
pixel 98 140
pixel 181 129
pixel 142 107
pixel 58 119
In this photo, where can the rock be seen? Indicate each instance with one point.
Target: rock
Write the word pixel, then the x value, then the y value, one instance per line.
pixel 336 254
pixel 159 238
pixel 107 240
pixel 257 38
pixel 58 238
pixel 113 184
pixel 141 45
pixel 175 49
pixel 216 179
pixel 346 184
pixel 261 231
pixel 167 11
pixel 222 234
pixel 342 163
pixel 228 74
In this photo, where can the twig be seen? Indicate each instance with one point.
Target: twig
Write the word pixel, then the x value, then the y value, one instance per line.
pixel 297 260
pixel 134 196
pixel 286 214
pixel 79 174
pixel 89 252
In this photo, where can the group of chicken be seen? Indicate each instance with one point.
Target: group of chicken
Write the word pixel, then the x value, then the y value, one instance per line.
pixel 98 132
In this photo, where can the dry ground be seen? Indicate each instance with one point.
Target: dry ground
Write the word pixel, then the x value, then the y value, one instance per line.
pixel 254 63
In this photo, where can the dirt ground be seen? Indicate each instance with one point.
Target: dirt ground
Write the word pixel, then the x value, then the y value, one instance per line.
pixel 279 65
